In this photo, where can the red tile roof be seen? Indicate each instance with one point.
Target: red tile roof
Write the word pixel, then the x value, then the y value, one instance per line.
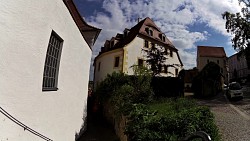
pixel 210 51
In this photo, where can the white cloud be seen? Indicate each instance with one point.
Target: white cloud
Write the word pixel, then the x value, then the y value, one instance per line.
pixel 173 17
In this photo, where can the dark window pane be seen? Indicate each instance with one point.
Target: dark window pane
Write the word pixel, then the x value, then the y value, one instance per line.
pixel 117 61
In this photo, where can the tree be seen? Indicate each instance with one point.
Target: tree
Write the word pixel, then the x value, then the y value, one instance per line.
pixel 156 58
pixel 208 81
pixel 238 24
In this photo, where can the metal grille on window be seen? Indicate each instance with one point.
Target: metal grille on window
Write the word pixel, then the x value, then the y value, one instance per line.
pixel 52 61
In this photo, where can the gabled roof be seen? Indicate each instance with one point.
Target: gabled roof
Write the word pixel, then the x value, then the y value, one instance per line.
pixel 88 32
pixel 210 51
pixel 139 29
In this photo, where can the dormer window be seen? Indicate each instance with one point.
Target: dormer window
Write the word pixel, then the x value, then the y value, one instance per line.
pixel 162 37
pixel 149 31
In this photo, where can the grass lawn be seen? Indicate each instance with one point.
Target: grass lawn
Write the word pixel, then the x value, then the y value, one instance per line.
pixel 170 105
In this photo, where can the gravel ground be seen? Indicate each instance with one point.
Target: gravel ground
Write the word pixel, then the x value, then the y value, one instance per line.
pixel 244 104
pixel 233 125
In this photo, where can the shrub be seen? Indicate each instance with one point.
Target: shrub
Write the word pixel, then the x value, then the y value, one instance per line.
pixel 123 90
pixel 153 122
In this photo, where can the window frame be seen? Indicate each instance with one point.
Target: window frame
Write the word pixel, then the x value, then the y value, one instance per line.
pixel 176 72
pixel 116 62
pixel 140 64
pixel 146 44
pixel 52 62
pixel 99 66
pixel 171 53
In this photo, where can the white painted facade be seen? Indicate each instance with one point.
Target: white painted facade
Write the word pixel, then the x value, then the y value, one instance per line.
pixel 129 55
pixel 105 64
pixel 134 51
pixel 25 28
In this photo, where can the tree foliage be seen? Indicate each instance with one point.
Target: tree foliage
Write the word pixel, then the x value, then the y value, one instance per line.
pixel 238 24
pixel 208 82
pixel 156 58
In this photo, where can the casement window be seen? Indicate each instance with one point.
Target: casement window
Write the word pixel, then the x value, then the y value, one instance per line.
pixel 153 45
pixel 166 51
pixel 162 37
pixel 165 69
pixel 140 62
pixel 146 44
pixel 176 72
pixel 171 53
pixel 149 31
pixel 117 59
pixel 52 62
pixel 99 66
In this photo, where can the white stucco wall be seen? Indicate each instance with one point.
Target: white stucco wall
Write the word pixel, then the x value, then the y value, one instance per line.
pixel 106 61
pixel 25 28
pixel 134 52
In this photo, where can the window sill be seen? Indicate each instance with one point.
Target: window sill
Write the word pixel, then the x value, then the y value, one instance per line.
pixel 49 89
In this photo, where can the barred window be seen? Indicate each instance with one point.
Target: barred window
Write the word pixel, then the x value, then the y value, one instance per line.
pixel 52 61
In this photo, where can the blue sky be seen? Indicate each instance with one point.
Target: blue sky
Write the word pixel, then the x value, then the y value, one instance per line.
pixel 187 23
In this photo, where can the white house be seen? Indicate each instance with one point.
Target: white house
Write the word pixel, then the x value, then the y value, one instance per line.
pixel 45 54
pixel 127 49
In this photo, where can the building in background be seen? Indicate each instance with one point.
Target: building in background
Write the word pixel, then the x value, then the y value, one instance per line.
pixel 238 70
pixel 206 54
pixel 123 51
pixel 45 58
pixel 188 79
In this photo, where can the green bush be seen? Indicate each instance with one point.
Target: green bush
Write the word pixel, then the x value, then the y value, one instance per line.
pixel 161 120
pixel 153 122
pixel 123 90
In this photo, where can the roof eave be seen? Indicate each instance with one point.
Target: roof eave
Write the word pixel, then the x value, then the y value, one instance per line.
pixel 83 27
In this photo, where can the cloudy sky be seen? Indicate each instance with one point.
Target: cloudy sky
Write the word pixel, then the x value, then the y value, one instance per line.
pixel 187 23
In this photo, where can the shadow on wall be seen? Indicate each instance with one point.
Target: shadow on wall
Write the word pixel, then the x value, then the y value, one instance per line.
pixel 84 124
